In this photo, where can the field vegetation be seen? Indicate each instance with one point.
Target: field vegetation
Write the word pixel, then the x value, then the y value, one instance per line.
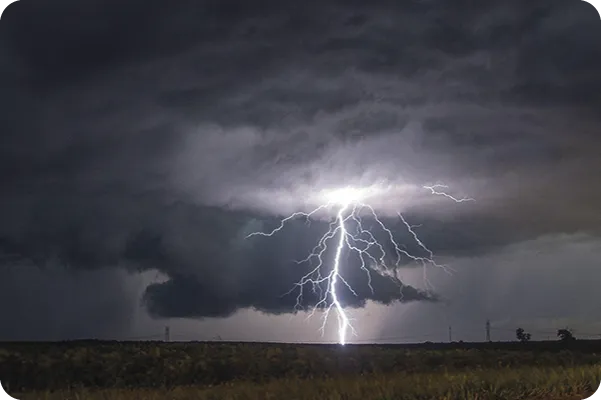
pixel 158 370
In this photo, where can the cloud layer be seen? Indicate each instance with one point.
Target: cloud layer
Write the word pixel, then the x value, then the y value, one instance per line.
pixel 143 137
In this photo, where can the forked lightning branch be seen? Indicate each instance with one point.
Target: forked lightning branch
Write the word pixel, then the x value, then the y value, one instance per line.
pixel 347 232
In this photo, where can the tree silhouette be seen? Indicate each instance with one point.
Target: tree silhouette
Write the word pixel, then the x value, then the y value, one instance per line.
pixel 565 335
pixel 522 336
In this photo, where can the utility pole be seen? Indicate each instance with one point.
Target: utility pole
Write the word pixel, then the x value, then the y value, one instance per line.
pixel 450 334
pixel 167 334
pixel 488 330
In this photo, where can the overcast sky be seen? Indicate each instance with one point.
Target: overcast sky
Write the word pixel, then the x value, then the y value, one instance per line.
pixel 141 141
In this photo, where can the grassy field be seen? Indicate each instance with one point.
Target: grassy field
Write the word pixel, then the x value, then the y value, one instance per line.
pixel 155 370
pixel 524 383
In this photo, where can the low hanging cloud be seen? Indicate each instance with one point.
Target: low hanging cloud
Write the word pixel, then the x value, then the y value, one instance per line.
pixel 147 137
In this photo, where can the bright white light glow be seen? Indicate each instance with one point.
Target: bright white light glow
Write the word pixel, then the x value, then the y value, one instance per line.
pixel 346 196
pixel 351 204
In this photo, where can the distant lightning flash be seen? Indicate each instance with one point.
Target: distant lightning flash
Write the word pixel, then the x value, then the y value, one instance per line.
pixel 362 242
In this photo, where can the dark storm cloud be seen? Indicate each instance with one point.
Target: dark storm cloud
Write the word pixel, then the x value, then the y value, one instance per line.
pixel 150 136
pixel 54 304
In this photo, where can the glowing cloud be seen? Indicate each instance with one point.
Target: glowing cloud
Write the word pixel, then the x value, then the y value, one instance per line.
pixel 347 195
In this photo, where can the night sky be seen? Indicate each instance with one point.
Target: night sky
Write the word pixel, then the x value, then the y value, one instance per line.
pixel 141 141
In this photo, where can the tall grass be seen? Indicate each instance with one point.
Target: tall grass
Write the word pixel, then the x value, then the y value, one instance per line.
pixel 504 383
pixel 136 365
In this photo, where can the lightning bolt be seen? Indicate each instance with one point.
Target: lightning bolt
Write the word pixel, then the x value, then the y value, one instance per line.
pixel 434 191
pixel 370 251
